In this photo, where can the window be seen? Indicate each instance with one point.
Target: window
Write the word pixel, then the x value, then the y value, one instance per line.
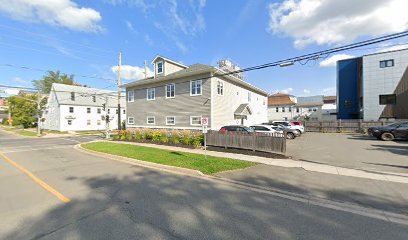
pixel 387 63
pixel 88 122
pixel 108 110
pixel 71 109
pixel 131 120
pixel 93 98
pixel 195 120
pixel 170 120
pixel 151 120
pixel 290 109
pixel 249 96
pixel 297 109
pixel 159 67
pixel 98 110
pixel 117 111
pixel 88 110
pixel 220 88
pixel 195 87
pixel 170 90
pixel 388 99
pixel 72 96
pixel 277 109
pixel 98 122
pixel 151 93
pixel 283 109
pixel 310 109
pixel 124 111
pixel 69 122
pixel 131 96
pixel 314 109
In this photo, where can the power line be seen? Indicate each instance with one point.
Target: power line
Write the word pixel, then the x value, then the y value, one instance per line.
pixel 43 70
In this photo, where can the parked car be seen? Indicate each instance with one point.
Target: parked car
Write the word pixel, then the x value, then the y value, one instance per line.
pixel 299 124
pixel 236 128
pixel 290 133
pixel 390 132
pixel 265 129
pixel 288 124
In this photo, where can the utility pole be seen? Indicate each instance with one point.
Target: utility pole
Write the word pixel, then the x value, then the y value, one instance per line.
pixel 10 121
pixel 120 63
pixel 107 119
pixel 39 114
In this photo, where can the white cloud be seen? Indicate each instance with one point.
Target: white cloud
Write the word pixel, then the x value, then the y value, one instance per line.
pixel 285 91
pixel 394 48
pixel 63 13
pixel 130 27
pixel 148 39
pixel 334 21
pixel 19 80
pixel 306 91
pixel 128 72
pixel 331 61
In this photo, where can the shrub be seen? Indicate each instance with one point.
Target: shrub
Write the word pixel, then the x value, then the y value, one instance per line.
pixel 164 137
pixel 138 135
pixel 175 137
pixel 198 140
pixel 186 137
pixel 129 135
pixel 146 134
pixel 156 135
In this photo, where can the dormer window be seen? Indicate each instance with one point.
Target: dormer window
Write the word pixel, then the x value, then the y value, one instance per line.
pixel 159 67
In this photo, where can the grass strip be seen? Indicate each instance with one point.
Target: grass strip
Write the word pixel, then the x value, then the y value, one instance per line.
pixel 210 165
pixel 26 133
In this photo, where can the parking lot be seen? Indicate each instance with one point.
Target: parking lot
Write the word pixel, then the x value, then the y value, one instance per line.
pixel 350 150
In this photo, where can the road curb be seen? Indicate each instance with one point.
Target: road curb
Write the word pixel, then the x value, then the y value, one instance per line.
pixel 156 166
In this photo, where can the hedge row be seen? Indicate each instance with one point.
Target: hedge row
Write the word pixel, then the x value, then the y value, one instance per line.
pixel 175 137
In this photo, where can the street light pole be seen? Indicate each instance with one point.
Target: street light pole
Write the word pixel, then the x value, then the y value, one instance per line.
pixel 38 114
pixel 120 63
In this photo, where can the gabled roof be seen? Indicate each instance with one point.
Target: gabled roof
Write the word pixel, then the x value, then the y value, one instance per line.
pixel 168 60
pixel 243 110
pixel 280 99
pixel 84 96
pixel 192 70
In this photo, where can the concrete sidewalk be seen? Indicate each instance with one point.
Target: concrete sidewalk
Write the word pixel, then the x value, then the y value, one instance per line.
pixel 288 163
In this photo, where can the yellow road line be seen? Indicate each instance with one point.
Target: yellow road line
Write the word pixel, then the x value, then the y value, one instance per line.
pixel 36 179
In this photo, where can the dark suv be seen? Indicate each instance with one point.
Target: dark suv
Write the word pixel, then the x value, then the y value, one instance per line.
pixel 390 132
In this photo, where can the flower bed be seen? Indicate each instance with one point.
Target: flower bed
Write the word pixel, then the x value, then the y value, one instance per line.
pixel 183 138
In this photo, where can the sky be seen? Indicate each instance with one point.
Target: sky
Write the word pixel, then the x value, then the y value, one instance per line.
pixel 84 37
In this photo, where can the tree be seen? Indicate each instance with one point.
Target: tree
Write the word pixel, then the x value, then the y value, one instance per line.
pixel 23 110
pixel 44 85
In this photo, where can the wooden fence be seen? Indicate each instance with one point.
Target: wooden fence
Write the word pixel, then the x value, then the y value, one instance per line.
pixel 342 125
pixel 275 143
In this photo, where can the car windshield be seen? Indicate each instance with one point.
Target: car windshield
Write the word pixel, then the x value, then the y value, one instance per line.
pixel 394 124
pixel 248 129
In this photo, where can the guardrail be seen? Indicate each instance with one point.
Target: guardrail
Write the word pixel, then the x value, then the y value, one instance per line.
pixel 274 143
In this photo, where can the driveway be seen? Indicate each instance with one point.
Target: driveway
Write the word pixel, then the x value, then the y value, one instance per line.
pixel 351 151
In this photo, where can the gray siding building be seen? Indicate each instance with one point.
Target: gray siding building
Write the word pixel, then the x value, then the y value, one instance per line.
pixel 179 96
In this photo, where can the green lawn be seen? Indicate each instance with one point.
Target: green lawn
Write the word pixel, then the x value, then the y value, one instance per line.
pixel 90 132
pixel 54 132
pixel 26 133
pixel 210 165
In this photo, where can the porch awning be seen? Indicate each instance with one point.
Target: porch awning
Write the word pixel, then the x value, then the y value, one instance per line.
pixel 243 111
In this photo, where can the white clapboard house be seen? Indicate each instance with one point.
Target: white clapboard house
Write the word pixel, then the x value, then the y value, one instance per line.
pixel 75 108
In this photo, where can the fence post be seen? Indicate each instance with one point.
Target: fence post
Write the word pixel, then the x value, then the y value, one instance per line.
pixel 339 126
pixel 253 141
pixel 321 126
pixel 360 125
pixel 226 136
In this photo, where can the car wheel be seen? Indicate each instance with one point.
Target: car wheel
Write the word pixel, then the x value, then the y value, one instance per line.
pixel 387 137
pixel 298 132
pixel 290 136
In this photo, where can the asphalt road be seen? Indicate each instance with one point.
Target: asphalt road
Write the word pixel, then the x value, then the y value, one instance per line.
pixel 113 200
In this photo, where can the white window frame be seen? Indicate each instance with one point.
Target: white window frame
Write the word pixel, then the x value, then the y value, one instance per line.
pixel 88 122
pixel 131 122
pixel 90 110
pixel 154 120
pixel 98 122
pixel 131 99
pixel 174 92
pixel 220 86
pixel 249 97
pixel 194 124
pixel 174 120
pixel 69 109
pixel 157 67
pixel 147 94
pixel 201 88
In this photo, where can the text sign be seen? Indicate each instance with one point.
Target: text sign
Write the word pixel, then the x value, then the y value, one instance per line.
pixel 204 121
pixel 205 129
